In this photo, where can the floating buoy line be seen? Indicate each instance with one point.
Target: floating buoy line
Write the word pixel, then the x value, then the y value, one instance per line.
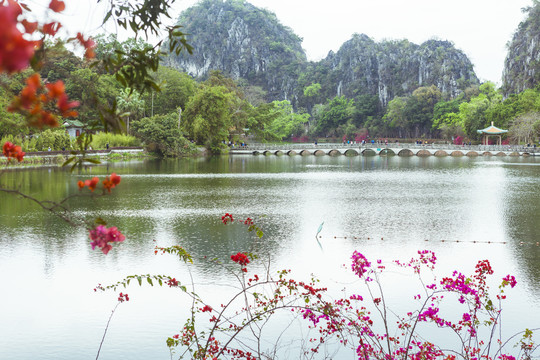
pixel 521 243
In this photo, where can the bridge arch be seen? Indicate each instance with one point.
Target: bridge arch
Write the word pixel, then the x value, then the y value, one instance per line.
pixel 334 152
pixel 500 153
pixel 267 152
pixel 305 152
pixel 291 152
pixel 387 152
pixel 423 153
pixel 441 153
pixel 514 153
pixel 369 152
pixel 278 153
pixel 487 153
pixel 472 154
pixel 457 153
pixel 256 152
pixel 405 152
pixel 351 152
pixel 319 153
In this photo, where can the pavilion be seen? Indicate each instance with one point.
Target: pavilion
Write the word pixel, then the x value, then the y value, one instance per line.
pixel 491 131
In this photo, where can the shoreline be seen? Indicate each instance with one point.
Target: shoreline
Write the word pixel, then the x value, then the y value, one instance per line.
pixel 57 158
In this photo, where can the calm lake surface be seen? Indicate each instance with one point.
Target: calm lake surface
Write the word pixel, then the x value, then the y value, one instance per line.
pixel 385 207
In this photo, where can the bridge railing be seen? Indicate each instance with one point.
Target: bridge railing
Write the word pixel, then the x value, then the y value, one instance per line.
pixel 446 147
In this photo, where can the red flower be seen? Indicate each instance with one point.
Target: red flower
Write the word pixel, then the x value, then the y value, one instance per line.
pixel 80 184
pixel 57 6
pixel 240 258
pixel 91 183
pixel 15 51
pixel 206 308
pixel 226 218
pixel 88 44
pixel 29 27
pixel 65 106
pixel 111 182
pixel 11 150
pixel 51 28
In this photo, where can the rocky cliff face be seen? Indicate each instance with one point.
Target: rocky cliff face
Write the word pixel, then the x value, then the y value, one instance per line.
pixel 249 43
pixel 244 42
pixel 522 64
pixel 394 68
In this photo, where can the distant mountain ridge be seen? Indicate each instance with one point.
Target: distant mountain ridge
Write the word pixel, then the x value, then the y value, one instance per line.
pixel 250 44
pixel 522 63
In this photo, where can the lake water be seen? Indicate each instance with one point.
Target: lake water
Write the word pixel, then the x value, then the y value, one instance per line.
pixel 464 209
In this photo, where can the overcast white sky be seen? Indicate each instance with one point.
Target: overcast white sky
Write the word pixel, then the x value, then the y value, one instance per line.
pixel 480 28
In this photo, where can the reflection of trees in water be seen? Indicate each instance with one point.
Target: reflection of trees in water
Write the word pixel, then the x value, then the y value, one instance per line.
pixel 209 237
pixel 523 222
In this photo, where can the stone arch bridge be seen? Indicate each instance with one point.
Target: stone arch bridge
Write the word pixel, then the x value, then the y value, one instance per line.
pixel 385 150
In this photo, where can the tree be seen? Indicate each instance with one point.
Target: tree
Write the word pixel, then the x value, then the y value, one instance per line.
pixel 474 114
pixel 207 118
pixel 338 111
pixel 419 109
pixel 176 89
pixel 396 116
pixel 525 127
pixel 161 134
pixel 285 122
pixel 131 104
pixel 312 93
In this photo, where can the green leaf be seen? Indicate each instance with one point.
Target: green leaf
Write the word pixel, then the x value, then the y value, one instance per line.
pixel 100 221
pixel 150 281
pixel 140 280
pixel 93 161
pixel 68 161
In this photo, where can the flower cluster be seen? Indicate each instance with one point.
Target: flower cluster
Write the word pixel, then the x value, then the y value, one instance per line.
pixel 102 237
pixel 240 258
pixel 91 184
pixel 173 282
pixel 509 280
pixel 123 297
pixel 12 151
pixel 35 100
pixel 226 218
pixel 360 264
pixel 109 183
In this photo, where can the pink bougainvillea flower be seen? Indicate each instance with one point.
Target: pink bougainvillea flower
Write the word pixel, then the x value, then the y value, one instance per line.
pixel 509 280
pixel 102 237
